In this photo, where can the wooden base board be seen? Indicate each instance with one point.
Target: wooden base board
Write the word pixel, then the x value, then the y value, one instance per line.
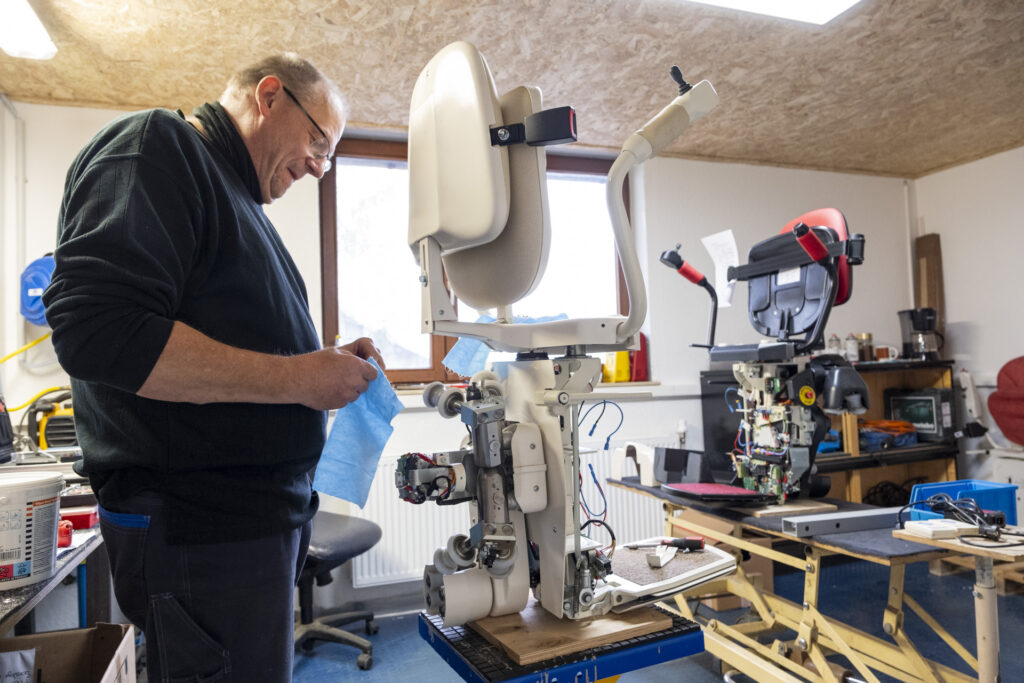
pixel 800 506
pixel 535 635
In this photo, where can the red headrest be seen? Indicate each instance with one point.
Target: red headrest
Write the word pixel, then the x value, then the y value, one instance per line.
pixel 1006 404
pixel 830 218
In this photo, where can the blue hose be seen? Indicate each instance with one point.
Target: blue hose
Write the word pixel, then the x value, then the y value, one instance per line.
pixel 34 281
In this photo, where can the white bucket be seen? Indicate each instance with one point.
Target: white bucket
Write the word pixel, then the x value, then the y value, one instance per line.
pixel 29 512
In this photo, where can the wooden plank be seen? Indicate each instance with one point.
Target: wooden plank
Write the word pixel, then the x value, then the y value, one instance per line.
pixel 928 287
pixel 791 508
pixel 535 635
pixel 1012 553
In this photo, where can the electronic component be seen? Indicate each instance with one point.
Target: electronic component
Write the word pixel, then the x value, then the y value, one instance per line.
pixel 930 410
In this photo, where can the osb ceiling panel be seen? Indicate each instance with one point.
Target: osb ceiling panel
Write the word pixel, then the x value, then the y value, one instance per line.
pixel 893 87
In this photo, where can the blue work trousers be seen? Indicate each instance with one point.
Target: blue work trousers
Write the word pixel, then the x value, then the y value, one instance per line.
pixel 211 612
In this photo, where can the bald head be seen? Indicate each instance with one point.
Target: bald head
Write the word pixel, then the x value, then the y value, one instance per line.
pixel 302 78
pixel 290 116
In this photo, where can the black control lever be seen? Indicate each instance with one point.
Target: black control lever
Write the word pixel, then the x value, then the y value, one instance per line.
pixel 677 76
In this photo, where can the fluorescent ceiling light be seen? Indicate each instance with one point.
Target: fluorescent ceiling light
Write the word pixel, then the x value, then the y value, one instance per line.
pixel 22 34
pixel 809 11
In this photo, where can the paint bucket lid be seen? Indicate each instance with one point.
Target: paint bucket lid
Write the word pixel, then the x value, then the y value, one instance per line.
pixel 16 480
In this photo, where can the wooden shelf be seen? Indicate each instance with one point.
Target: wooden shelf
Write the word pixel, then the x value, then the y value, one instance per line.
pixel 838 462
pixel 854 471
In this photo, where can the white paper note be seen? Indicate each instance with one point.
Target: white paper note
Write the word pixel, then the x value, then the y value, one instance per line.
pixel 721 246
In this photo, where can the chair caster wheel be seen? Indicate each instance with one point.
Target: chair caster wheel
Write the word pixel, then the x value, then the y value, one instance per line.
pixel 364 662
pixel 372 628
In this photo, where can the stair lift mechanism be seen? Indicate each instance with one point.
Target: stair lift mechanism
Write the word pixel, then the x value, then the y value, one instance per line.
pixel 478 217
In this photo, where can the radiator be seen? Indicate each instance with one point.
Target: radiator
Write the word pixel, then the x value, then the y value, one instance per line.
pixel 413 532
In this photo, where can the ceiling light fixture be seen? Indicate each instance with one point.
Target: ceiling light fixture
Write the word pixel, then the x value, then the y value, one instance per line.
pixel 809 11
pixel 22 34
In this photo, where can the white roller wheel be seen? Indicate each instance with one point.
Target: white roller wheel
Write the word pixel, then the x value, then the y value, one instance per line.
pixel 456 557
pixel 485 375
pixel 445 405
pixel 432 394
pixel 443 563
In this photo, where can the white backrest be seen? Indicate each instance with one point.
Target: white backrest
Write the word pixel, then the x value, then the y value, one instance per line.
pixel 505 270
pixel 458 182
pixel 485 205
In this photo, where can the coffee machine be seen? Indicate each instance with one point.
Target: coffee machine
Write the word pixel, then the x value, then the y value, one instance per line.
pixel 921 341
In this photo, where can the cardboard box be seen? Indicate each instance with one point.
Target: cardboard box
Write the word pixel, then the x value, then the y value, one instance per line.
pixel 104 653
pixel 758 569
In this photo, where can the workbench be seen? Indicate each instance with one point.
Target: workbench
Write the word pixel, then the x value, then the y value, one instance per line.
pixel 817 636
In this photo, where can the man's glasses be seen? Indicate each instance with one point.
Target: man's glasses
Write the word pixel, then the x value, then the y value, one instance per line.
pixel 321 147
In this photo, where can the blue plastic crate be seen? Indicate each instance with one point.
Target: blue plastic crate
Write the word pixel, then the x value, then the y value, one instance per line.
pixel 989 495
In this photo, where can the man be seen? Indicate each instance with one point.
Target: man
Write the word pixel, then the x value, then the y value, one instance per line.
pixel 198 379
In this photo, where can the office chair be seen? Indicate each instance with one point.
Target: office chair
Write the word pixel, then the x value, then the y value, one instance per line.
pixel 336 539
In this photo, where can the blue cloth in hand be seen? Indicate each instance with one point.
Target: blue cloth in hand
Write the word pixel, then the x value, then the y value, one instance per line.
pixel 469 356
pixel 357 439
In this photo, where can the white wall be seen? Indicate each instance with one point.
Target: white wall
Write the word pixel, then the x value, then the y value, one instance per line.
pixel 686 200
pixel 977 210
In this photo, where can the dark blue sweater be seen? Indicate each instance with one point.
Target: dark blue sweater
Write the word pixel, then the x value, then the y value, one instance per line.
pixel 156 226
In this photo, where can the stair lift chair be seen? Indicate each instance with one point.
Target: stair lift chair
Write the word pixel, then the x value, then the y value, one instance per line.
pixel 794 279
pixel 478 217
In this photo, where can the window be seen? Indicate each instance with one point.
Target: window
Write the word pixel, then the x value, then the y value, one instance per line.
pixel 370 273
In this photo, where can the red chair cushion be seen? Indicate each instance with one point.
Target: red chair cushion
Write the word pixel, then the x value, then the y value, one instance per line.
pixel 1006 404
pixel 834 219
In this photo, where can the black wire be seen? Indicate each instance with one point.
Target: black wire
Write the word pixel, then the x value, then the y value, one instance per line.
pixel 448 484
pixel 963 509
pixel 600 523
pixel 989 538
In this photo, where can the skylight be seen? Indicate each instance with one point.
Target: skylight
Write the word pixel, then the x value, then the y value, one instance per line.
pixel 809 11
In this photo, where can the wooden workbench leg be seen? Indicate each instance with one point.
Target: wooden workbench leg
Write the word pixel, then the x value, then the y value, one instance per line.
pixel 986 620
pixel 669 514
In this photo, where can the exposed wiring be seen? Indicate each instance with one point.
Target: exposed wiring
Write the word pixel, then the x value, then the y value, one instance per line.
pixel 1001 533
pixel 968 511
pixel 26 347
pixel 607 528
pixel 733 407
pixel 597 421
pixel 449 483
pixel 427 459
pixel 583 500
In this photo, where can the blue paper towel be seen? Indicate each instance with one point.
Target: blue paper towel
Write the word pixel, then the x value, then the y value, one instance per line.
pixel 469 356
pixel 356 441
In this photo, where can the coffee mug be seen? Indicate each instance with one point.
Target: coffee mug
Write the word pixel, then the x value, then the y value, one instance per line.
pixel 886 352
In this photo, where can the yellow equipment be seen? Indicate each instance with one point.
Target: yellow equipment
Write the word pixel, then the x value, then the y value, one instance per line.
pixel 51 422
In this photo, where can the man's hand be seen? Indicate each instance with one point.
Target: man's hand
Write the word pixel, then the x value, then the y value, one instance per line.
pixel 333 378
pixel 364 348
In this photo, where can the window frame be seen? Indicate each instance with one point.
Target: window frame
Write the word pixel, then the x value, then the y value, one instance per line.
pixel 398 151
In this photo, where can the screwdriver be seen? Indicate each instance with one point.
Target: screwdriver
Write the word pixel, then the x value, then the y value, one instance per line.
pixel 685 544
